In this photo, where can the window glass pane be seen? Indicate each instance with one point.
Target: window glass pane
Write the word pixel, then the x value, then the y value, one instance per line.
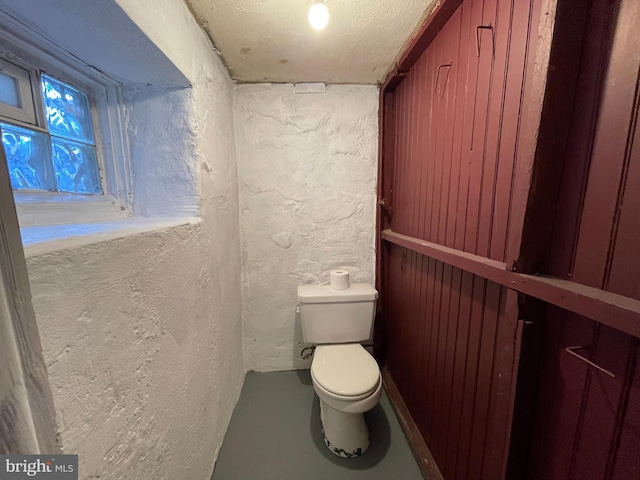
pixel 75 166
pixel 9 93
pixel 68 113
pixel 29 158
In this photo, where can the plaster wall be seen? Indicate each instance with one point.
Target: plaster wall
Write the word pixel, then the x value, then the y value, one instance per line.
pixel 307 178
pixel 142 334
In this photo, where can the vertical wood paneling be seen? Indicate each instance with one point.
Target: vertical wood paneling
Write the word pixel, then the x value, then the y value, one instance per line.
pixel 450 100
pixel 586 421
pixel 511 111
pixel 624 276
pixel 418 324
pixel 457 393
pixel 491 42
pixel 448 216
pixel 453 178
pixel 506 362
pixel 450 157
pixel 426 381
pixel 554 435
pixel 485 379
pixel 441 397
pixel 442 332
pixel 450 335
pixel 595 50
pixel 610 349
pixel 462 138
pixel 387 142
pixel 626 463
pixel 432 56
pixel 470 378
pixel 433 349
pixel 401 202
pixel 425 138
pixel 445 421
pixel 421 96
pixel 412 154
pixel 419 383
pixel 610 154
pixel 476 96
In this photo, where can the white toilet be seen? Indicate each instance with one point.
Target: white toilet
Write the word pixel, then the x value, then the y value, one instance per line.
pixel 345 376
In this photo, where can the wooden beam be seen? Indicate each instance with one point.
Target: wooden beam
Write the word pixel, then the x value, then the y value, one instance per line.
pixel 437 19
pixel 418 446
pixel 552 128
pixel 532 101
pixel 434 22
pixel 611 309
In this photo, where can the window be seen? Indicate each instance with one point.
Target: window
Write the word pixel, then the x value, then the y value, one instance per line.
pixel 15 93
pixel 47 133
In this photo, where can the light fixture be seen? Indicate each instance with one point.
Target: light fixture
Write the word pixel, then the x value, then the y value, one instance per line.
pixel 318 15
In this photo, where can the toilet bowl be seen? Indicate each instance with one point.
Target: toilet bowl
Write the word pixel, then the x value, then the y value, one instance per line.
pixel 345 376
pixel 348 383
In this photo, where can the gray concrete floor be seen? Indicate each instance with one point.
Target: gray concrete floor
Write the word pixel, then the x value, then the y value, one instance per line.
pixel 275 434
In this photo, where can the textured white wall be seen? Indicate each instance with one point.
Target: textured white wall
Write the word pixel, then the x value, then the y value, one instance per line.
pixel 143 335
pixel 307 179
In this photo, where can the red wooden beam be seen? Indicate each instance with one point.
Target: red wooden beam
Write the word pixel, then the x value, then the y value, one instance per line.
pixel 616 311
pixel 533 101
pixel 430 28
pixel 434 22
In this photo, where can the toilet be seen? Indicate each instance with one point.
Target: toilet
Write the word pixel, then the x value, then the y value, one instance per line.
pixel 345 376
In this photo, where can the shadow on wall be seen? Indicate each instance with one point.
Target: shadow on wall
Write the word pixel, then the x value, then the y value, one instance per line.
pixel 379 432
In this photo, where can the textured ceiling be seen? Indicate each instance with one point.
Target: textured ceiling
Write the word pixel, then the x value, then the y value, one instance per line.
pixel 272 41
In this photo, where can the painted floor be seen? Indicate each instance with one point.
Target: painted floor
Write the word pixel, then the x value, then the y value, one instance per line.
pixel 275 434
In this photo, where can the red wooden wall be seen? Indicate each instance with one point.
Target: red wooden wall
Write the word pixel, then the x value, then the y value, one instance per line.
pixel 509 143
pixel 456 122
pixel 450 334
pixel 596 234
pixel 587 421
pixel 450 368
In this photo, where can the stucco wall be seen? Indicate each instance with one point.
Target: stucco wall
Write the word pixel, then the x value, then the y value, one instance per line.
pixel 142 335
pixel 307 180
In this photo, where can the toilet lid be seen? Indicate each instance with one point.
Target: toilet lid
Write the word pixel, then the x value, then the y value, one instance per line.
pixel 346 369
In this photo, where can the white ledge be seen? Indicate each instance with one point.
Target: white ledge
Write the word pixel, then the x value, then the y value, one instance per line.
pixel 40 240
pixel 47 208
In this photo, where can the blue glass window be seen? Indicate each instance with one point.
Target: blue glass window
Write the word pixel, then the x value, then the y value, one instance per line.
pixel 75 165
pixel 29 158
pixel 68 113
pixel 65 158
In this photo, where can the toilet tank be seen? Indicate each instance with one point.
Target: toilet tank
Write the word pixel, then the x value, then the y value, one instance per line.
pixel 337 316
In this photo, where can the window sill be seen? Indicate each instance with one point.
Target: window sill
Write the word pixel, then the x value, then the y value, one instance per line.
pixel 48 208
pixel 40 240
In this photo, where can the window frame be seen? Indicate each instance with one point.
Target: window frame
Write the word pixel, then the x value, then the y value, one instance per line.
pixel 25 49
pixel 24 77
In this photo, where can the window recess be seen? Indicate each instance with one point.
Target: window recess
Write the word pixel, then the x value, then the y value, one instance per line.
pixel 59 156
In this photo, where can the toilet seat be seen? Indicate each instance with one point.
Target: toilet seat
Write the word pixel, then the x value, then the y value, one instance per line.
pixel 345 371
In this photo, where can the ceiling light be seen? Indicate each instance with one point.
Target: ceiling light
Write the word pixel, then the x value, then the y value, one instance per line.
pixel 318 15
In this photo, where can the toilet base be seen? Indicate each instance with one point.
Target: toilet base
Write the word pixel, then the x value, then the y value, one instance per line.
pixel 345 434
